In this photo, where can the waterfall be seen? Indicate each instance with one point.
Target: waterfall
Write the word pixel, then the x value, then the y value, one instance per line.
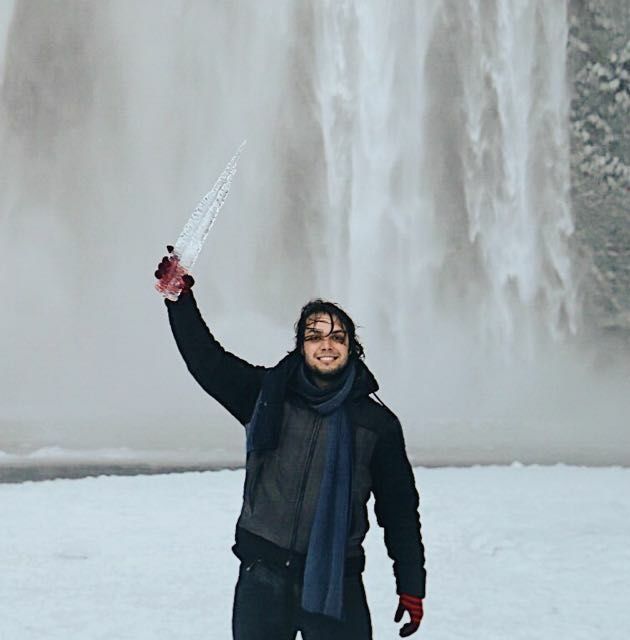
pixel 515 163
pixel 446 143
pixel 406 159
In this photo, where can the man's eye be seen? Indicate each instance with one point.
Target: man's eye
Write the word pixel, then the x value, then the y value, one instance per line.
pixel 312 337
pixel 339 338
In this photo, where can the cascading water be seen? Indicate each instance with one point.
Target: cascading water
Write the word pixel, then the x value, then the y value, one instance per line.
pixel 407 159
pixel 370 94
pixel 515 163
pixel 445 134
pixel 446 143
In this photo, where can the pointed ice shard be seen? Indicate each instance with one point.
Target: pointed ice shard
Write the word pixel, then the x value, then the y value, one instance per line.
pixel 195 231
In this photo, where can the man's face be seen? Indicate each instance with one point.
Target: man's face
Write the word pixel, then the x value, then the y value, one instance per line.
pixel 326 347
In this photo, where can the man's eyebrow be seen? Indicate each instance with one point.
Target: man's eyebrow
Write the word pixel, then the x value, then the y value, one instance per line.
pixel 311 329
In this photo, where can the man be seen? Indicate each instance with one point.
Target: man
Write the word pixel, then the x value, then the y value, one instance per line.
pixel 317 446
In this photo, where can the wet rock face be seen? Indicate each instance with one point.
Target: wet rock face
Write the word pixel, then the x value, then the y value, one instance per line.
pixel 599 58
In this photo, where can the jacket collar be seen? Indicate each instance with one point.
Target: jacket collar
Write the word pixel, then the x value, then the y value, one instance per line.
pixel 365 383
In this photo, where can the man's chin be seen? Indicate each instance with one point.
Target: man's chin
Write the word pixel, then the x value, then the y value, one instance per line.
pixel 327 374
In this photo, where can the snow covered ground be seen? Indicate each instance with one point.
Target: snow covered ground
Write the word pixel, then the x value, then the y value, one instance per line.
pixel 513 553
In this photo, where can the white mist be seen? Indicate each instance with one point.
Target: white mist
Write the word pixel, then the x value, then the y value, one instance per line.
pixel 409 160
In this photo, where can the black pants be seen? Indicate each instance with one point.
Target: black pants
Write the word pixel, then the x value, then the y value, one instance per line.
pixel 267 607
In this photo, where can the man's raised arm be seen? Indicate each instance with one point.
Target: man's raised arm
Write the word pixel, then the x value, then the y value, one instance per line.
pixel 230 380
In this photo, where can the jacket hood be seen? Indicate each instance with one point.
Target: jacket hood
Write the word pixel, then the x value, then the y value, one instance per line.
pixel 365 383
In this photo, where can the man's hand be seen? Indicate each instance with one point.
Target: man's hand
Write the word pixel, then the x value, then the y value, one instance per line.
pixel 168 265
pixel 413 606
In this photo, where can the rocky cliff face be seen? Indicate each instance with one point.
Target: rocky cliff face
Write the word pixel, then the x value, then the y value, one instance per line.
pixel 599 58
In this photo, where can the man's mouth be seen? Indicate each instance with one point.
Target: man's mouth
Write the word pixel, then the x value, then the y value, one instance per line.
pixel 327 359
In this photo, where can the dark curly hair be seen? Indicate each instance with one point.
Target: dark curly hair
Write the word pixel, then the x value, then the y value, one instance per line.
pixel 332 310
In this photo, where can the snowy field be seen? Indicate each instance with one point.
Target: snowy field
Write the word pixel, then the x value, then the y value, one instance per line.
pixel 513 552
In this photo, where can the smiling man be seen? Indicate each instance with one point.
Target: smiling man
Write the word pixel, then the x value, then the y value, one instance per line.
pixel 326 347
pixel 318 445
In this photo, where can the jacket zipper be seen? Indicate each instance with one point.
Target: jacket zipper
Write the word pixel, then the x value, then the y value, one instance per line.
pixel 307 468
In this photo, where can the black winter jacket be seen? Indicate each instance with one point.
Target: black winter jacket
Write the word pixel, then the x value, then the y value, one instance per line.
pixel 281 486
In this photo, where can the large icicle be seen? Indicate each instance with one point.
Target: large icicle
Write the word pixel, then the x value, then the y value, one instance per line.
pixel 195 231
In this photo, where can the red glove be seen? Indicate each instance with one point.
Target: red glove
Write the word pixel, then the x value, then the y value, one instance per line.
pixel 166 267
pixel 413 605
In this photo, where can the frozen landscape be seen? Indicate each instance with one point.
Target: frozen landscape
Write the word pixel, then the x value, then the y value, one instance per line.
pixel 415 162
pixel 519 552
